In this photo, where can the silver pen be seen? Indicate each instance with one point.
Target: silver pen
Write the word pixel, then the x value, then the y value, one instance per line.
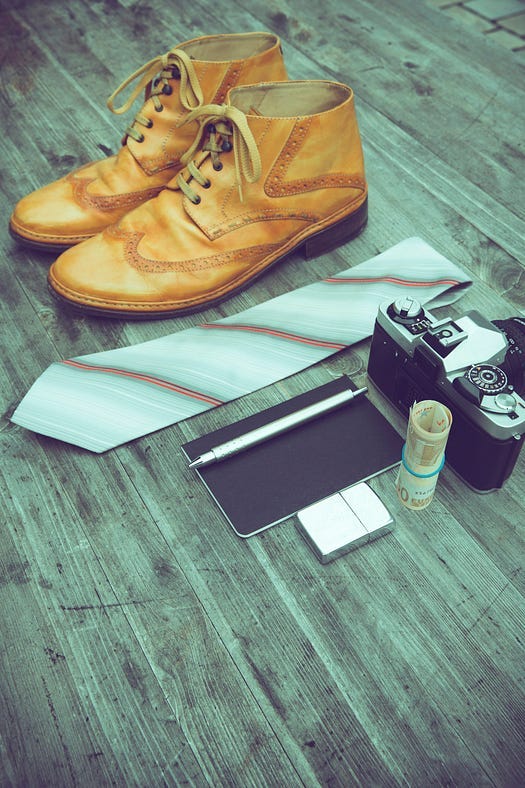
pixel 274 428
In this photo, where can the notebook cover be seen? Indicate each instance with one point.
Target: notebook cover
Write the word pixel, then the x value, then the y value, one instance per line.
pixel 267 483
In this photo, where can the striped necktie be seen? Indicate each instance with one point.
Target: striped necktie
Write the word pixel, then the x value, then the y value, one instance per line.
pixel 102 400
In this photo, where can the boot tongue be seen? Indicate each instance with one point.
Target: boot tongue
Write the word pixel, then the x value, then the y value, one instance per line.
pixel 159 70
pixel 171 102
pixel 214 117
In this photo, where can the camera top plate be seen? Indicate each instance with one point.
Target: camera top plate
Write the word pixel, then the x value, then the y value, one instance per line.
pixel 462 359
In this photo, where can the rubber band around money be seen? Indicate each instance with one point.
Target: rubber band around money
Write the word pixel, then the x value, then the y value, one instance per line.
pixel 415 473
pixel 429 423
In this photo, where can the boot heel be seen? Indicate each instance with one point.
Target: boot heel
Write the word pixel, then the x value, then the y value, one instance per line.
pixel 337 233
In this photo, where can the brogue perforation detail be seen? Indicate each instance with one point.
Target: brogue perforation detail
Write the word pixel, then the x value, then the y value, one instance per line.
pixel 268 214
pixel 277 186
pixel 249 256
pixel 229 80
pixel 108 202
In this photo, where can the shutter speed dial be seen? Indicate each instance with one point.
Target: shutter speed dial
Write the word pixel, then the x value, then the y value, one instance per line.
pixel 488 387
pixel 487 378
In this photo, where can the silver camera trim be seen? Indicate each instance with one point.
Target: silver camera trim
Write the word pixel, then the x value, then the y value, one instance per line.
pixel 478 341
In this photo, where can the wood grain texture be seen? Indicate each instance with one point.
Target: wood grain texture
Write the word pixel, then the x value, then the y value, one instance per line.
pixel 143 643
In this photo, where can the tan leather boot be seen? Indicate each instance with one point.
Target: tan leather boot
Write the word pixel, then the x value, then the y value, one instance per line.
pixel 280 167
pixel 197 72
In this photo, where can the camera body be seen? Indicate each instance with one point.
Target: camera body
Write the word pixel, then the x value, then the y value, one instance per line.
pixel 469 365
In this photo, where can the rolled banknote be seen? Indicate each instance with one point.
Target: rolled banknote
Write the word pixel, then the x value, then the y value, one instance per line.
pixel 423 454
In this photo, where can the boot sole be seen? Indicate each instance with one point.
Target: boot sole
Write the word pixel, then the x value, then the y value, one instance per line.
pixel 41 246
pixel 324 241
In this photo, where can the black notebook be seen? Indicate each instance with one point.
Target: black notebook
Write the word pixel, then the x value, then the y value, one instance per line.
pixel 267 483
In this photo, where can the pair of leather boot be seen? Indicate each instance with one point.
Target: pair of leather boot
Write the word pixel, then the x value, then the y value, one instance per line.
pixel 226 169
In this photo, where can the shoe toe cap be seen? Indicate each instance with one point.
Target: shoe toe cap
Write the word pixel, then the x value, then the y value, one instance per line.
pixel 96 275
pixel 50 215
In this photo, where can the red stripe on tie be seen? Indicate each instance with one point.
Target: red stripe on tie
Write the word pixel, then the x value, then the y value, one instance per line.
pixel 165 384
pixel 395 280
pixel 274 332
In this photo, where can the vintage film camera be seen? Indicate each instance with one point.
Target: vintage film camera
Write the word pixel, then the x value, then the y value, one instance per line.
pixel 474 367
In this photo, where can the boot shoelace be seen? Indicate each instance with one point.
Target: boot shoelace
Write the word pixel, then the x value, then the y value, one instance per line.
pixel 155 79
pixel 227 128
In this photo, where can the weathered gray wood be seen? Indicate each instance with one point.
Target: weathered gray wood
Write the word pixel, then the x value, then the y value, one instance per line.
pixel 414 66
pixel 143 643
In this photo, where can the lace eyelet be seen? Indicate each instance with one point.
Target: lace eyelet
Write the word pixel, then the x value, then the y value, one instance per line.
pixel 141 138
pixel 206 185
pixel 227 146
pixel 218 167
pixel 197 200
pixel 159 108
pixel 167 90
pixel 150 124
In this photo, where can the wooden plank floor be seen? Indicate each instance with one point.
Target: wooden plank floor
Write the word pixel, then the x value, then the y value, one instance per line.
pixel 142 642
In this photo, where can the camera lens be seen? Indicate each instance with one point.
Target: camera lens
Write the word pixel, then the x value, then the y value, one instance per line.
pixel 514 364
